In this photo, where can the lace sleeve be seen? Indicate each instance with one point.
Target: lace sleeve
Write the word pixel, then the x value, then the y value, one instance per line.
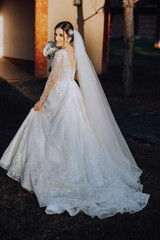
pixel 56 66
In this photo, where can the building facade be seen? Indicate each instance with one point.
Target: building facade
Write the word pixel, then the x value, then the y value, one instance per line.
pixel 28 25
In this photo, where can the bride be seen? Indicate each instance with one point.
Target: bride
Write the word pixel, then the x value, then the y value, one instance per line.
pixel 69 150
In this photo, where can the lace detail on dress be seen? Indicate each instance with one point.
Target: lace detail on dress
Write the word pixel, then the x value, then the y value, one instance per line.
pixel 56 154
pixel 57 62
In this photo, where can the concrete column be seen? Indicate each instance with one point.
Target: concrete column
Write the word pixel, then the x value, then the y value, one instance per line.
pixel 41 37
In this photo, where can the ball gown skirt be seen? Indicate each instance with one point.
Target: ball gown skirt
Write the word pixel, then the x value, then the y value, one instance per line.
pixel 55 154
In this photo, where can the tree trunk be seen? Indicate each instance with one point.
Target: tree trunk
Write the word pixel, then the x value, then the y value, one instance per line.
pixel 128 47
pixel 80 20
pixel 157 33
pixel 106 35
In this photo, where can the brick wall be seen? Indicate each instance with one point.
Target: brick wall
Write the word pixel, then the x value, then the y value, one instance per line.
pixel 146 26
pixel 116 26
pixel 41 37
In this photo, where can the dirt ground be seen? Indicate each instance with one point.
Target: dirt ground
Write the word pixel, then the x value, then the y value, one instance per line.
pixel 20 215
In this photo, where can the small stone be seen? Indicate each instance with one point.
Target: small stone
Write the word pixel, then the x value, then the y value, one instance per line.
pixel 147 144
pixel 135 114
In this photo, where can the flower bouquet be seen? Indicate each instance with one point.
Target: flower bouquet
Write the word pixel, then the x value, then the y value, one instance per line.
pixel 49 51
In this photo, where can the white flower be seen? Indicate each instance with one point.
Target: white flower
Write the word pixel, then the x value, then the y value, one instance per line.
pixel 49 49
pixel 45 50
pixel 70 32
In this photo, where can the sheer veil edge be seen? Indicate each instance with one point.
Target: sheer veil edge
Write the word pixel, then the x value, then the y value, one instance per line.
pixel 107 131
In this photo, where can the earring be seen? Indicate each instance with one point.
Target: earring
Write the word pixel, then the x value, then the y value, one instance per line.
pixel 68 41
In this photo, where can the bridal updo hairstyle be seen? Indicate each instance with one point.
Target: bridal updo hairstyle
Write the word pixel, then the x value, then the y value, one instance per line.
pixel 67 27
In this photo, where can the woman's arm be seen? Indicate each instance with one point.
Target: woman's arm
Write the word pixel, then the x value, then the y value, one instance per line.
pixel 58 58
pixel 48 87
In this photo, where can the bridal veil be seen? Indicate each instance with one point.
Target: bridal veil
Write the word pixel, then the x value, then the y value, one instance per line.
pixel 106 129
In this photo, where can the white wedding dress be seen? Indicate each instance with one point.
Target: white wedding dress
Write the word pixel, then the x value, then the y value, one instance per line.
pixel 56 155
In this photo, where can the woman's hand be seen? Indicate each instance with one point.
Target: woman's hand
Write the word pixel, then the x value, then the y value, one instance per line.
pixel 38 105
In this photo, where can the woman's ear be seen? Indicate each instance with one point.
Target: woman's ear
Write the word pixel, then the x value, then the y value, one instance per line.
pixel 69 39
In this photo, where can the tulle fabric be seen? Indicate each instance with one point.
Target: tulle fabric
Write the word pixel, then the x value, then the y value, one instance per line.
pixel 57 155
pixel 116 151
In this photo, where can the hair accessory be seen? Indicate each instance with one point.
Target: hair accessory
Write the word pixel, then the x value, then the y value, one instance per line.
pixel 70 32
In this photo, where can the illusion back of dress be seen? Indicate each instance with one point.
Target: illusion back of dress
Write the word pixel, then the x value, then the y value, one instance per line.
pixel 62 71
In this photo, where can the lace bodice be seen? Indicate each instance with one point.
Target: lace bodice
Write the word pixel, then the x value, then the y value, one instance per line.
pixel 61 72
